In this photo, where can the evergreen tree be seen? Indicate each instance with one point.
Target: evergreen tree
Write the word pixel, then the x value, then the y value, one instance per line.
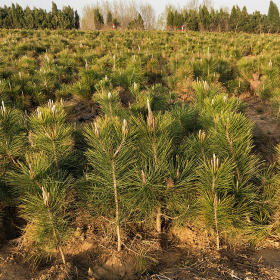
pixel 98 19
pixel 109 155
pixel 116 23
pixel 29 18
pixel 178 20
pixel 170 19
pixel 136 24
pixel 4 12
pixel 43 184
pixel 16 17
pixel 12 147
pixel 244 20
pixel 55 15
pixel 109 19
pixel 77 20
pixel 67 18
pixel 192 20
pixel 234 19
pixel 204 17
pixel 273 17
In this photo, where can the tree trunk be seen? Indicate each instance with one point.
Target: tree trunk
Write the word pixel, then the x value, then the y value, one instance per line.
pixel 158 220
pixel 117 206
pixel 216 221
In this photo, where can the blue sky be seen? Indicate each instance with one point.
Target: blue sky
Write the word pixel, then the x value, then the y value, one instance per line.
pixel 252 5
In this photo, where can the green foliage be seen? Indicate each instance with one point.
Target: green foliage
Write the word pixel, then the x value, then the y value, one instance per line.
pixel 50 134
pixel 156 167
pixel 116 23
pixel 17 18
pixel 109 19
pixel 109 155
pixel 273 17
pixel 48 217
pixel 13 145
pixel 136 24
pixel 98 19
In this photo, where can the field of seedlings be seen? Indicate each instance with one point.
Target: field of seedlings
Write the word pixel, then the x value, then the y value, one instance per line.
pixel 123 154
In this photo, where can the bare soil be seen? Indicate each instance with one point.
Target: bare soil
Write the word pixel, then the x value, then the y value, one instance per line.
pixel 181 254
pixel 266 134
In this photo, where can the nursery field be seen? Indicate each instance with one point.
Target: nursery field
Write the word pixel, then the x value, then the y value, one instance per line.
pixel 139 155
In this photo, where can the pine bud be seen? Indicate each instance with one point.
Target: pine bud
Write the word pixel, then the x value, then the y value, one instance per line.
pixel 201 135
pixel 177 174
pixel 109 95
pixel 90 272
pixel 96 129
pixel 144 179
pixel 151 120
pixel 125 128
pixel 39 114
pixel 54 111
pixel 46 197
pixel 225 99
pixel 215 163
pixel 206 87
pixel 3 109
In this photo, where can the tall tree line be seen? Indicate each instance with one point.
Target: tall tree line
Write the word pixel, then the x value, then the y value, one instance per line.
pixel 15 17
pixel 205 18
pixel 126 15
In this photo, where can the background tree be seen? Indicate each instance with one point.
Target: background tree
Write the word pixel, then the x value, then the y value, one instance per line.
pixel 170 19
pixel 136 24
pixel 109 19
pixel 273 17
pixel 55 15
pixel 148 15
pixel 98 19
pixel 204 17
pixel 16 17
pixel 29 18
pixel 116 23
pixel 77 20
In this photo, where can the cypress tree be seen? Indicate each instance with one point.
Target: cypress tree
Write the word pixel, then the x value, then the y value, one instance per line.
pixel 55 13
pixel 233 18
pixel 98 19
pixel 28 18
pixel 109 19
pixel 273 17
pixel 77 20
pixel 204 17
pixel 170 19
pixel 115 21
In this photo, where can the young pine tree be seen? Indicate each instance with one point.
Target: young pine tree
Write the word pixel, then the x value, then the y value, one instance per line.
pixel 12 148
pixel 110 156
pixel 215 205
pixel 43 184
pixel 154 148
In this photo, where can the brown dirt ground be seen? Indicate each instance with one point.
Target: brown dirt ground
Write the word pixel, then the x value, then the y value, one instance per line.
pixel 266 134
pixel 179 255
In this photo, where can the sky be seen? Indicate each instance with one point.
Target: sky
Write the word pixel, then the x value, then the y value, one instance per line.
pixel 159 5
